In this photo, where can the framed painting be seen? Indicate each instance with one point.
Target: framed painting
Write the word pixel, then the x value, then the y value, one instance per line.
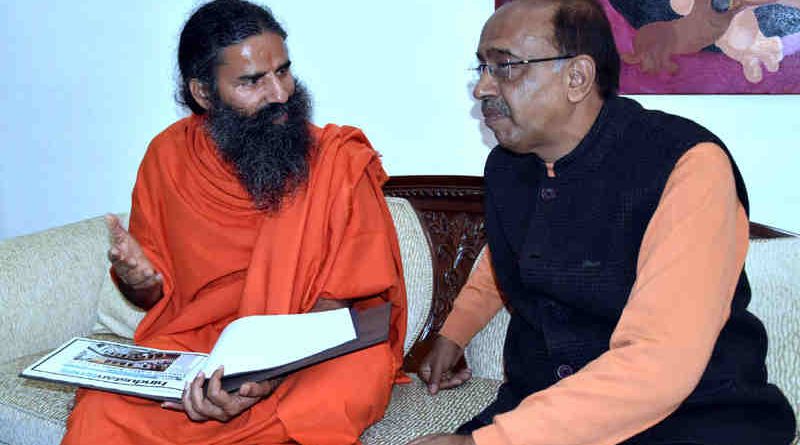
pixel 706 46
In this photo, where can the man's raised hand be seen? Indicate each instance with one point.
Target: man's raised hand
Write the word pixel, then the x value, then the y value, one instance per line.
pixel 438 367
pixel 140 282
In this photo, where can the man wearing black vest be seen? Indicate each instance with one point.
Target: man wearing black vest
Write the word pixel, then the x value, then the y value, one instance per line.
pixel 617 237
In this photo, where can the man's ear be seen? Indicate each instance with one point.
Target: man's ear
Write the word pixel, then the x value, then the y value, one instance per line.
pixel 580 78
pixel 200 93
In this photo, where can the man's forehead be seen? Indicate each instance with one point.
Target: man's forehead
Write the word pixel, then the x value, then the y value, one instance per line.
pixel 259 47
pixel 518 30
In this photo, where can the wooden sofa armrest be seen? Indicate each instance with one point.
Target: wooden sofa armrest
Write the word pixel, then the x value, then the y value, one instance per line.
pixel 451 211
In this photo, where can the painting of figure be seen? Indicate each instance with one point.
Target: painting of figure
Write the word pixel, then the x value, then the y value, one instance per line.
pixel 707 46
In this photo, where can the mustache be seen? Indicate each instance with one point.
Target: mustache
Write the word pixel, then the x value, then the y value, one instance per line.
pixel 495 105
pixel 272 111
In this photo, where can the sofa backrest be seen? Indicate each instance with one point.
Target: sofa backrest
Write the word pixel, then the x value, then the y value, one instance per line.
pixel 61 267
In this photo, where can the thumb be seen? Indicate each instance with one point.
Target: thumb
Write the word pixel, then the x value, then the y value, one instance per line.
pixel 436 377
pixel 115 230
pixel 111 221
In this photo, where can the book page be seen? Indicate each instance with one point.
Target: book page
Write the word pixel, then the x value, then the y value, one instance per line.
pixel 265 341
pixel 118 367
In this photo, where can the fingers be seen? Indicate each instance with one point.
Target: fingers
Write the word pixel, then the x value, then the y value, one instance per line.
pixel 437 367
pixel 257 390
pixel 199 407
pixel 443 357
pixel 220 407
pixel 216 403
pixel 130 264
pixel 187 399
pixel 421 440
pixel 424 371
pixel 427 439
pixel 452 380
pixel 175 406
pixel 114 226
pixel 126 256
pixel 118 236
pixel 133 273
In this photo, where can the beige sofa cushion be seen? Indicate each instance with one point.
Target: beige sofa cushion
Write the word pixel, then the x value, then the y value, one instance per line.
pixel 773 268
pixel 484 354
pixel 417 266
pixel 412 412
pixel 34 412
pixel 57 269
pixel 116 316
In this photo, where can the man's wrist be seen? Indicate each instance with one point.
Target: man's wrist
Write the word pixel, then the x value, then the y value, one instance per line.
pixel 144 297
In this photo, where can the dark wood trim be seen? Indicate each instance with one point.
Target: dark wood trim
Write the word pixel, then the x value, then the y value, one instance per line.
pixel 450 209
pixel 763 231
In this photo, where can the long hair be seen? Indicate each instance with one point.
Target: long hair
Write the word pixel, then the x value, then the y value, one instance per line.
pixel 211 28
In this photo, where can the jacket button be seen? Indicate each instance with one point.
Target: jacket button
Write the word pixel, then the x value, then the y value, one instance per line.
pixel 548 193
pixel 564 371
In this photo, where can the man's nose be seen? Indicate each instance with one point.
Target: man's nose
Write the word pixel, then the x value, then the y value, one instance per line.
pixel 486 86
pixel 276 89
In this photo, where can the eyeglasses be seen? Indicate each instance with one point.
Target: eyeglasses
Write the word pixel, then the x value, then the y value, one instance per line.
pixel 502 71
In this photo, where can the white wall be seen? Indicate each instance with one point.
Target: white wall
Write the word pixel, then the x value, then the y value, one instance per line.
pixel 87 84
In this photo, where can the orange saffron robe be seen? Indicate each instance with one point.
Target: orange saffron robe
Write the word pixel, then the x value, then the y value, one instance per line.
pixel 222 259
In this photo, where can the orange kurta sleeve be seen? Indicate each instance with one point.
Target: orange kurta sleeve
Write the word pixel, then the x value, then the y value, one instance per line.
pixel 690 260
pixel 476 304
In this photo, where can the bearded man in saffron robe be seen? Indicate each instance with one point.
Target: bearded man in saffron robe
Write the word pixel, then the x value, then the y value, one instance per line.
pixel 246 208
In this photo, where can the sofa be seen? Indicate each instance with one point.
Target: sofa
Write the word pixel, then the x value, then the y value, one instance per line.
pixel 55 285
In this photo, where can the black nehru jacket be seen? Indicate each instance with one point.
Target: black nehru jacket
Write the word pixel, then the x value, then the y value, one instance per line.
pixel 565 249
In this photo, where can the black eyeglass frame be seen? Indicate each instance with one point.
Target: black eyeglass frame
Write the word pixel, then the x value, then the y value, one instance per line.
pixel 491 67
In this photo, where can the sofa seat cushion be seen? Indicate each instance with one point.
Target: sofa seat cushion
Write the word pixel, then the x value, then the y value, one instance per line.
pixel 413 412
pixel 33 412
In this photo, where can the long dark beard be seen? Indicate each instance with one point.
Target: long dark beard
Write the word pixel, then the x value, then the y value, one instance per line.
pixel 271 159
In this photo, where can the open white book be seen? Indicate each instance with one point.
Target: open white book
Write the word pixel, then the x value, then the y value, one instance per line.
pixel 253 348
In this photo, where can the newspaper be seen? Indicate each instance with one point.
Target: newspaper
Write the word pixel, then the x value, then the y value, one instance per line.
pixel 118 367
pixel 246 345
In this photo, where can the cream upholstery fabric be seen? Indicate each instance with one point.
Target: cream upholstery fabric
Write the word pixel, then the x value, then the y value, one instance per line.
pixel 417 266
pixel 412 412
pixel 34 412
pixel 48 286
pixel 773 268
pixel 31 412
pixel 484 354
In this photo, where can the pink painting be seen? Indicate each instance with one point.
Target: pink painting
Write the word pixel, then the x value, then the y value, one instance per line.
pixel 707 46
